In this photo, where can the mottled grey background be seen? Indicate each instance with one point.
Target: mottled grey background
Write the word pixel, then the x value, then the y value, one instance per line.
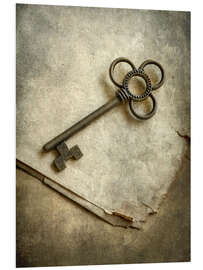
pixel 50 229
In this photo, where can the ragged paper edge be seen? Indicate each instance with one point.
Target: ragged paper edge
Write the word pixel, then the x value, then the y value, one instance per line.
pixel 106 215
pixel 115 217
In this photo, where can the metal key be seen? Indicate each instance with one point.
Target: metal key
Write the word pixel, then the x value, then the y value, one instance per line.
pixel 122 95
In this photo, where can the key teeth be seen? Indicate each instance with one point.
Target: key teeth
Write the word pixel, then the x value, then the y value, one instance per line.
pixel 59 163
pixel 65 153
pixel 63 150
pixel 76 152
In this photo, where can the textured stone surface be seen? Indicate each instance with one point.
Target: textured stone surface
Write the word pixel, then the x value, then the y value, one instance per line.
pixel 63 56
pixel 52 230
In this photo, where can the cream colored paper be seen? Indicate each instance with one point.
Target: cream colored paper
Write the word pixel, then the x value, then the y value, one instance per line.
pixel 63 56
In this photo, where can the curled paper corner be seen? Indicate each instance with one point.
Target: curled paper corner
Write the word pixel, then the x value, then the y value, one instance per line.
pixel 108 212
pixel 125 211
pixel 128 218
pixel 150 210
pixel 119 214
pixel 132 212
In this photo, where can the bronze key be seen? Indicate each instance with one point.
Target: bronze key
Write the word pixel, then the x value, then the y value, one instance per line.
pixel 123 95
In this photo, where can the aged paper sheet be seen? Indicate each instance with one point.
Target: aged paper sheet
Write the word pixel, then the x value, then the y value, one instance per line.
pixel 63 56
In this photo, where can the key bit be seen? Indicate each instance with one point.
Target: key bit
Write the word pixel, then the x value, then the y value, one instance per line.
pixel 65 153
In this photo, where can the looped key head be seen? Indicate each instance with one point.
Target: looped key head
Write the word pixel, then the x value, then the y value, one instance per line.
pixel 124 92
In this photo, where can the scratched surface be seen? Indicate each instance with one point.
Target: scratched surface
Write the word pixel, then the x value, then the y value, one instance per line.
pixel 63 56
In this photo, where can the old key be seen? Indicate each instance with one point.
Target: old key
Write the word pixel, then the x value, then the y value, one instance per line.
pixel 122 95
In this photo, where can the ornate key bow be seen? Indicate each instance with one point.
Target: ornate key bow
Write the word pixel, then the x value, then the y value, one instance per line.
pixel 124 92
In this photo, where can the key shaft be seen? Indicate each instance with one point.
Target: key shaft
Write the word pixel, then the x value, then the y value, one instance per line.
pixel 84 122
